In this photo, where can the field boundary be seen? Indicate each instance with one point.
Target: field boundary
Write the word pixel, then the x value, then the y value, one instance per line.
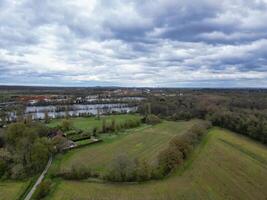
pixel 245 151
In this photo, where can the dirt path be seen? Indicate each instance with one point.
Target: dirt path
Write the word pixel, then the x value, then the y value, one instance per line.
pixel 39 180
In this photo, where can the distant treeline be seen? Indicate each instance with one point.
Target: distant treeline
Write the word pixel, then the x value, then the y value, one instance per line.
pixel 244 112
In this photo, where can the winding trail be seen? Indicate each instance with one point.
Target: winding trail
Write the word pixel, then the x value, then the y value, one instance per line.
pixel 39 180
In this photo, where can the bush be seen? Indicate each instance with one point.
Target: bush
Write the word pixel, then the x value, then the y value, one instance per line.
pixel 152 119
pixel 66 125
pixel 42 190
pixel 143 171
pixel 121 169
pixel 3 167
pixel 95 131
pixel 169 159
pixel 179 148
pixel 181 145
pixel 77 173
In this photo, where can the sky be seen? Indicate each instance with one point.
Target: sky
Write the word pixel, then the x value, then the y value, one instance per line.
pixel 134 43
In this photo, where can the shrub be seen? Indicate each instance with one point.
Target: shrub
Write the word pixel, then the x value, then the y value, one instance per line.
pixel 179 148
pixel 95 131
pixel 42 190
pixel 181 145
pixel 143 171
pixel 77 173
pixel 152 119
pixel 121 169
pixel 169 159
pixel 66 125
pixel 104 126
pixel 18 172
pixel 3 167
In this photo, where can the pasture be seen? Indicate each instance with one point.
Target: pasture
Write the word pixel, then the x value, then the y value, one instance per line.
pixel 11 190
pixel 224 166
pixel 144 142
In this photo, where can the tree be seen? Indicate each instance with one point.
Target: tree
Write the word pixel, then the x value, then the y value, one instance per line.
pixel 152 119
pixel 40 153
pixel 3 117
pixel 42 190
pixel 121 169
pixel 66 125
pixel 19 113
pixel 29 150
pixel 2 141
pixel 143 170
pixel 46 117
pixel 104 125
pixel 13 133
pixel 169 159
pixel 113 125
pixel 5 161
pixel 181 145
pixel 67 113
pixel 59 142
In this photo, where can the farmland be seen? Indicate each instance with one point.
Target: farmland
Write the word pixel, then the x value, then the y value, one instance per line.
pixel 11 190
pixel 224 166
pixel 144 142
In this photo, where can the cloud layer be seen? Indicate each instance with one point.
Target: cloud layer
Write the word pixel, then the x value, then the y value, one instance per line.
pixel 167 43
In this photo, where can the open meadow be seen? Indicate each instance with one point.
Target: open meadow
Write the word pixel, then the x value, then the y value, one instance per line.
pixel 144 142
pixel 11 190
pixel 224 166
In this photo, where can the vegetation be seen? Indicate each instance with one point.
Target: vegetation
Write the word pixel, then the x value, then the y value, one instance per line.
pixel 151 119
pixel 42 190
pixel 90 123
pixel 125 169
pixel 190 163
pixel 11 190
pixel 224 166
pixel 91 127
pixel 26 150
pixel 141 145
pixel 180 147
pixel 244 112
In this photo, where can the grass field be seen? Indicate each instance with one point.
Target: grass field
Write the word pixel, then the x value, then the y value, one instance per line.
pixel 224 166
pixel 11 190
pixel 88 123
pixel 143 142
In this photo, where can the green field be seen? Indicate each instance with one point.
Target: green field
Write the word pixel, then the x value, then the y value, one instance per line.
pixel 11 190
pixel 88 123
pixel 143 142
pixel 224 166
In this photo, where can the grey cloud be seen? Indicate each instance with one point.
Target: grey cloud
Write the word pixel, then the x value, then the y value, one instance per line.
pixel 134 43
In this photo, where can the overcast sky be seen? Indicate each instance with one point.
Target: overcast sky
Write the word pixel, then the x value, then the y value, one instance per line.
pixel 158 43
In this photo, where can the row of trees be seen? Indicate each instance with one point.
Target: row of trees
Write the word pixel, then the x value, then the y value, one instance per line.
pixel 180 147
pixel 125 169
pixel 114 126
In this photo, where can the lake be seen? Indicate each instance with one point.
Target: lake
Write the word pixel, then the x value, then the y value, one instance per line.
pixel 38 112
